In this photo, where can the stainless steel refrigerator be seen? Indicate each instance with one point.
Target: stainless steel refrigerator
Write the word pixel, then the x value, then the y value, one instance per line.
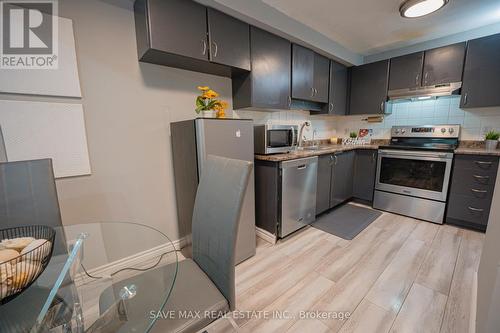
pixel 192 141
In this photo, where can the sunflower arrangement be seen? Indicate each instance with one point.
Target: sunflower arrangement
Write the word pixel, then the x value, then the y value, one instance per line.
pixel 208 101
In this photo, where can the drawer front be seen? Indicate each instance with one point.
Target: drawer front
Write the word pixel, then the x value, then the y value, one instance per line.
pixel 481 165
pixel 470 209
pixel 471 183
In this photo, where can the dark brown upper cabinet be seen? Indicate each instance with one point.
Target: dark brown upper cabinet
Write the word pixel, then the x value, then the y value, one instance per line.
pixel 310 75
pixel 481 79
pixel 174 33
pixel 268 85
pixel 406 71
pixel 337 95
pixel 229 40
pixel 444 64
pixel 369 83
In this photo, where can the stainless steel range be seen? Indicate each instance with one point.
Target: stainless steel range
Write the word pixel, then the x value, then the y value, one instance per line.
pixel 413 172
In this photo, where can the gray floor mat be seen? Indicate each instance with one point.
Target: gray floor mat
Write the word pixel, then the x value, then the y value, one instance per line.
pixel 346 221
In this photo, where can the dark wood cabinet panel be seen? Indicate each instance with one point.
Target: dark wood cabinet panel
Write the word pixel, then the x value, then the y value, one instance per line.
pixel 310 75
pixel 369 84
pixel 302 73
pixel 325 163
pixel 268 85
pixel 267 189
pixel 444 64
pixel 406 71
pixel 365 168
pixel 321 78
pixel 481 79
pixel 337 95
pixel 174 33
pixel 229 40
pixel 342 177
pixel 471 190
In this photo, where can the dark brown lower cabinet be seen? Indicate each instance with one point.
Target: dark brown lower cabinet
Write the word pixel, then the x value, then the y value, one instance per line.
pixel 345 175
pixel 365 169
pixel 471 191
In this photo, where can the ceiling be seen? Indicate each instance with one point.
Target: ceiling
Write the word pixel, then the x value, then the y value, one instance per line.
pixel 372 26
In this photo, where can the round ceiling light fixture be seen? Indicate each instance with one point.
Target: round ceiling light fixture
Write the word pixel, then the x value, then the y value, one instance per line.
pixel 418 8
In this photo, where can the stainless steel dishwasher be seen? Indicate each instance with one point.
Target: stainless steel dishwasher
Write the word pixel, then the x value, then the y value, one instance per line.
pixel 298 194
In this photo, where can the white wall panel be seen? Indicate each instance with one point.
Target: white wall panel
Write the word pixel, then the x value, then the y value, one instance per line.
pixel 35 130
pixel 63 81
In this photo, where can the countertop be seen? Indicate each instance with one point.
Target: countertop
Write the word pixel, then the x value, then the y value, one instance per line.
pixel 330 149
pixel 477 151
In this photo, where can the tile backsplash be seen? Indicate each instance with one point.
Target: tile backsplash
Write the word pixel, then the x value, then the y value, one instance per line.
pixel 441 111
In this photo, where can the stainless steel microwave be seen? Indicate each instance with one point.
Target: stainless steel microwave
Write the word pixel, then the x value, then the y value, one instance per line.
pixel 272 139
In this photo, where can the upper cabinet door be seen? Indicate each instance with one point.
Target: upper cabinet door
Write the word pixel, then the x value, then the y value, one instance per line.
pixel 321 78
pixel 229 40
pixel 444 64
pixel 481 80
pixel 369 88
pixel 302 73
pixel 267 86
pixel 178 27
pixel 337 96
pixel 406 71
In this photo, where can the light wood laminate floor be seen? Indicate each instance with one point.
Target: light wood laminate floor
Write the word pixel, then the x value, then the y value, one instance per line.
pixel 398 275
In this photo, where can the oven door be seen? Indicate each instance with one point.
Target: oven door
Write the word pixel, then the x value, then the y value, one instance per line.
pixel 280 138
pixel 414 173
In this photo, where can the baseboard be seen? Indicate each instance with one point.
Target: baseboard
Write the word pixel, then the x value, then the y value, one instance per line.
pixel 265 235
pixel 134 260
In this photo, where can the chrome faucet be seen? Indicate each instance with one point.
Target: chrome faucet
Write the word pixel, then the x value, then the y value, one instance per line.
pixel 301 137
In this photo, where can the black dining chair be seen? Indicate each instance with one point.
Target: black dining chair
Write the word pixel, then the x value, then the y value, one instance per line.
pixel 207 281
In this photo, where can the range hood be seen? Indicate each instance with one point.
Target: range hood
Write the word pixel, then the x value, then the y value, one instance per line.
pixel 439 90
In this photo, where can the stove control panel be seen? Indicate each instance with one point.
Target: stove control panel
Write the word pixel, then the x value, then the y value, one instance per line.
pixel 429 131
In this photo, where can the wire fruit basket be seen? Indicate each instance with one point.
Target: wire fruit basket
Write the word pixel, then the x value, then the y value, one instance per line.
pixel 25 252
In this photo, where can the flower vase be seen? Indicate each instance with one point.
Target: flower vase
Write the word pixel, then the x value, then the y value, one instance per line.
pixel 491 144
pixel 208 114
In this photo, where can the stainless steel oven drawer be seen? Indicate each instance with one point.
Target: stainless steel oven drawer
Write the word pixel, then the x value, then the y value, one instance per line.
pixel 422 209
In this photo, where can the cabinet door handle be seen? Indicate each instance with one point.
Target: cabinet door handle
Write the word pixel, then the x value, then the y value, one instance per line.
pixel 312 92
pixel 289 101
pixel 382 107
pixel 216 49
pixel 330 109
pixel 426 76
pixel 481 177
pixel 373 157
pixel 478 210
pixel 478 191
pixel 315 91
pixel 416 80
pixel 465 99
pixel 335 158
pixel 204 46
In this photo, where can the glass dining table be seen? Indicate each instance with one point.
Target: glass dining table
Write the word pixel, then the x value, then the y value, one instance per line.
pixel 102 277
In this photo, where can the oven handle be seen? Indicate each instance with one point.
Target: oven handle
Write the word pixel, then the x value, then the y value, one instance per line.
pixel 405 153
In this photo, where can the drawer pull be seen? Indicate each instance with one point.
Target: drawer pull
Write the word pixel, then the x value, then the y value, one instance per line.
pixel 483 163
pixel 479 210
pixel 302 167
pixel 478 191
pixel 481 177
